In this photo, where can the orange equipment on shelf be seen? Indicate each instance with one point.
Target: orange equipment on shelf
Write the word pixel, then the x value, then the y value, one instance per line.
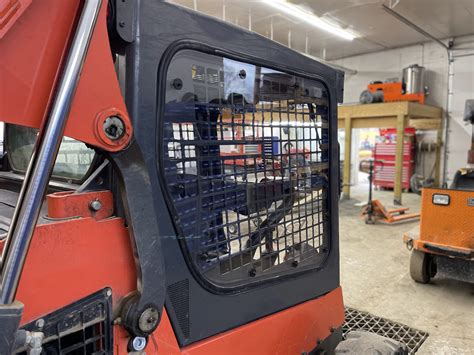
pixel 395 92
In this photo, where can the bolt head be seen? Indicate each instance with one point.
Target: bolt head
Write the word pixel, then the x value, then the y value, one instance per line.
pixel 114 128
pixel 177 84
pixel 95 205
pixel 138 343
pixel 148 320
pixel 40 323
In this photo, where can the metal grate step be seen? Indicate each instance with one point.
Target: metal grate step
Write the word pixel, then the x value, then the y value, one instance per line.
pixel 357 320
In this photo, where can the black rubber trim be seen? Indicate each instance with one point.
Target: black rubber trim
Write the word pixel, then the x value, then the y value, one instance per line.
pixel 163 66
pixel 448 251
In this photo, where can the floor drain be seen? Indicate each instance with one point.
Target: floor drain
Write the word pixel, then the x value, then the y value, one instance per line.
pixel 357 320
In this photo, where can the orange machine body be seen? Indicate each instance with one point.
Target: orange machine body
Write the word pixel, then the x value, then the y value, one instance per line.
pixel 32 69
pixel 446 230
pixel 394 92
pixel 73 257
pixel 77 253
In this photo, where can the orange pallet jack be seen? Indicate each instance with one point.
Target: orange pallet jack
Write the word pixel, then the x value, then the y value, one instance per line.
pixel 375 211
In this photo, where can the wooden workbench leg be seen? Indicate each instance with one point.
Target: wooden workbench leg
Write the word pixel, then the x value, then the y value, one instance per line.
pixel 439 144
pixel 347 158
pixel 397 190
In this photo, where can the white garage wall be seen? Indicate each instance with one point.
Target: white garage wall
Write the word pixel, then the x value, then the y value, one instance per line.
pixel 388 64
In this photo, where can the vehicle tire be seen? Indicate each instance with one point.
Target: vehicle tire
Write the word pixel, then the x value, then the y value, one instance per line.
pixel 416 184
pixel 422 267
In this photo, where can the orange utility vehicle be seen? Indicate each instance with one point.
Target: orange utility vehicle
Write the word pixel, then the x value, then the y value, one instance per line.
pixel 446 240
pixel 116 206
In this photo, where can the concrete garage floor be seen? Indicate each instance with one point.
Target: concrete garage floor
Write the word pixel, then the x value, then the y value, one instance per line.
pixel 375 279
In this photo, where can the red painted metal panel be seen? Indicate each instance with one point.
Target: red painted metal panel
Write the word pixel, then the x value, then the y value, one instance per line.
pixel 384 174
pixel 32 54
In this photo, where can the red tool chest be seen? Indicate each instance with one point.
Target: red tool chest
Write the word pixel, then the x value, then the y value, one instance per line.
pixel 384 175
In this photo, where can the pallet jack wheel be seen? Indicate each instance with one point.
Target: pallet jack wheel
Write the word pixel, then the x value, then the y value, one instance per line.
pixel 422 267
pixel 369 220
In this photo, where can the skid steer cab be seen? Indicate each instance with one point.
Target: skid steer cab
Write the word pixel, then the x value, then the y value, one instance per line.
pixel 168 184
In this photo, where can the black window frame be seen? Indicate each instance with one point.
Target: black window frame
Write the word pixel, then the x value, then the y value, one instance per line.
pixel 163 66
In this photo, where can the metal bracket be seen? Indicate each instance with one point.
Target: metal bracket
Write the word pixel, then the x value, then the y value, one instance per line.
pixel 141 313
pixel 125 19
pixel 340 86
pixel 10 316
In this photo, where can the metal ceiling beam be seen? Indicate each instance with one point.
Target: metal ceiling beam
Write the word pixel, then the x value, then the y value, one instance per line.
pixel 413 26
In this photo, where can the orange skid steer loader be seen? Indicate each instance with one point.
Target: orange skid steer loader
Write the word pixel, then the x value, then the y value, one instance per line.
pixel 123 226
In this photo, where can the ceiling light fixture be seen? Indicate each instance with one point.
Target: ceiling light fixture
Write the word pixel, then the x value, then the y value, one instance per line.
pixel 310 18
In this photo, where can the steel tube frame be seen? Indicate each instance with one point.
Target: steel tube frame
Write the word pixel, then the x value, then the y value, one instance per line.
pixel 44 156
pixel 414 26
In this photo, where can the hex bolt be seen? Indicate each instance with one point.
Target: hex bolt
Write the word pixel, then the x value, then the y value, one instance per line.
pixel 252 272
pixel 138 343
pixel 114 128
pixel 95 205
pixel 242 74
pixel 40 323
pixel 149 320
pixel 122 24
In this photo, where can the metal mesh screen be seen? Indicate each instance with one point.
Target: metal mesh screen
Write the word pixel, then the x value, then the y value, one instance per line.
pixel 245 160
pixel 84 327
pixel 357 320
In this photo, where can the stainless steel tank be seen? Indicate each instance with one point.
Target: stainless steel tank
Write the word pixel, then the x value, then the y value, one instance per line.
pixel 414 79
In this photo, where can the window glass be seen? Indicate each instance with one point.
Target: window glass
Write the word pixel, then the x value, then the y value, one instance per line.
pixel 246 167
pixel 72 163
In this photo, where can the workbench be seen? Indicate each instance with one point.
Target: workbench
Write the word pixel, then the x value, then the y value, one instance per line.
pixel 397 115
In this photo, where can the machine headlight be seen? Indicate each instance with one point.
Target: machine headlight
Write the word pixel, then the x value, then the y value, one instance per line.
pixel 442 200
